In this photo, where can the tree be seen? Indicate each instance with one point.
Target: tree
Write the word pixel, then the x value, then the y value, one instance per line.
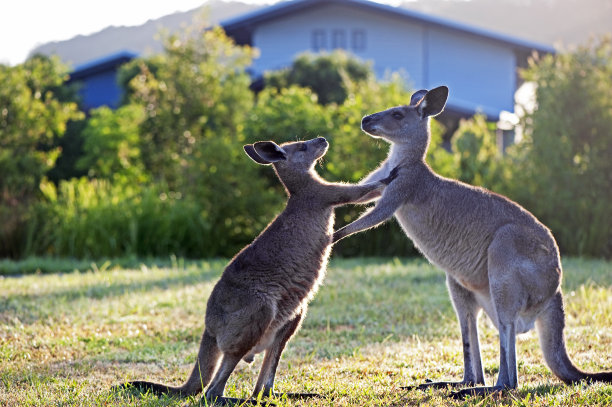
pixel 476 157
pixel 196 97
pixel 33 112
pixel 563 170
pixel 328 75
pixel 198 90
pixel 111 148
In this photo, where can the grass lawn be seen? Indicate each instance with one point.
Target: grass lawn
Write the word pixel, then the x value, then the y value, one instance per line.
pixel 376 325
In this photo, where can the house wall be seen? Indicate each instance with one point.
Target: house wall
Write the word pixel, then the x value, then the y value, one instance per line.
pixel 100 89
pixel 390 42
pixel 481 73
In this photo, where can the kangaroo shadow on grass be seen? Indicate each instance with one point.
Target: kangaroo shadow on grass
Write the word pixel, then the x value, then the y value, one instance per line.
pixel 27 307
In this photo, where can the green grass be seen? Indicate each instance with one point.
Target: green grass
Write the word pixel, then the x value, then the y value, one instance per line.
pixel 377 324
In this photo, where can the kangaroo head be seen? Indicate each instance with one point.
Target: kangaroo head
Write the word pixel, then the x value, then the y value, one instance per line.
pixel 408 124
pixel 292 161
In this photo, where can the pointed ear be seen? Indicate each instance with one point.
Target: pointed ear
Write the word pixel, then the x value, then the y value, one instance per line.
pixel 434 101
pixel 417 96
pixel 269 151
pixel 250 150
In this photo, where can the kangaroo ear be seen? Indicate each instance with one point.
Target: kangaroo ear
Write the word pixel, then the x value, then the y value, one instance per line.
pixel 434 101
pixel 269 151
pixel 250 150
pixel 417 96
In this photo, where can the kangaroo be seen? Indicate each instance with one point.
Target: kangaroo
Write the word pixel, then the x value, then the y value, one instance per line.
pixel 497 256
pixel 263 293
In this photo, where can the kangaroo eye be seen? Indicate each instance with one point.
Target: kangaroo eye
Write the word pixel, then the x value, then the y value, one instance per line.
pixel 397 116
pixel 303 147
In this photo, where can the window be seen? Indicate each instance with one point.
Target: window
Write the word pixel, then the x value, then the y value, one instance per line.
pixel 358 40
pixel 338 39
pixel 319 40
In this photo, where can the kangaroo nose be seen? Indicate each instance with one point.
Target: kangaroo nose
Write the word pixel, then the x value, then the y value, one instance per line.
pixel 366 120
pixel 321 140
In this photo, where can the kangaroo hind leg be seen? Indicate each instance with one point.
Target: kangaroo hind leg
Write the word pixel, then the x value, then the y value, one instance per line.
pixel 506 268
pixel 467 310
pixel 238 338
pixel 205 366
pixel 265 381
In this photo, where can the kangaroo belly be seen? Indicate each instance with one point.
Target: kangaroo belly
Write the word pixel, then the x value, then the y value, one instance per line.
pixel 458 251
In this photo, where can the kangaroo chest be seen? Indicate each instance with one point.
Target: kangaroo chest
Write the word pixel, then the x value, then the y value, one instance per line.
pixel 457 250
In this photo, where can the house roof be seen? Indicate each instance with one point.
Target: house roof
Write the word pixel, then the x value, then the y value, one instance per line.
pixel 102 64
pixel 241 27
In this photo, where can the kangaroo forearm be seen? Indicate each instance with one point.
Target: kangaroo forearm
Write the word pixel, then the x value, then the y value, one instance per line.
pixel 369 197
pixel 371 219
pixel 344 194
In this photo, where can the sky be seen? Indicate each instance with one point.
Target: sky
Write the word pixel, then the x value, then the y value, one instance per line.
pixel 24 24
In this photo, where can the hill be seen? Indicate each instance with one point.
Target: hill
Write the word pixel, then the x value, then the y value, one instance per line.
pixel 140 39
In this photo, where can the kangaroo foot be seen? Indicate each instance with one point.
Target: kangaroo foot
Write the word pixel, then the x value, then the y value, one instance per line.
pixel 438 385
pixel 477 391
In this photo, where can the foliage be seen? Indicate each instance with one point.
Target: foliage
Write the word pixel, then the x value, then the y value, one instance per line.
pixel 33 112
pixel 71 147
pixel 199 91
pixel 326 74
pixel 180 134
pixel 477 159
pixel 375 325
pixel 112 144
pixel 563 166
pixel 96 218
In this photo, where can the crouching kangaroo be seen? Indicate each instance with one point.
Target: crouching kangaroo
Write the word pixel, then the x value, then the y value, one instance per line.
pixel 497 256
pixel 263 293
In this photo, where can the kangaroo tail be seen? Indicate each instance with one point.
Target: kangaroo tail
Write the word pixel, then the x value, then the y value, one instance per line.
pixel 208 358
pixel 550 325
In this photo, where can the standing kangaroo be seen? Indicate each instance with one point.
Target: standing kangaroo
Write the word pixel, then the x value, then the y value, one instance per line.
pixel 263 293
pixel 497 256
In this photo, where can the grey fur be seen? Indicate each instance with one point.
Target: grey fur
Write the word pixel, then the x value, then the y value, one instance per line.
pixel 497 256
pixel 263 294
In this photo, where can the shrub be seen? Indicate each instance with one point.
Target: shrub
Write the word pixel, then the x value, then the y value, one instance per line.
pixel 33 113
pixel 563 167
pixel 93 218
pixel 111 149
pixel 327 75
pixel 476 156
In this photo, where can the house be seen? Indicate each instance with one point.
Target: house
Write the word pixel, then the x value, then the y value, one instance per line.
pixel 98 80
pixel 480 67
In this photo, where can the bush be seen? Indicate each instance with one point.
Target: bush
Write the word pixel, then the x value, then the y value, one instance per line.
pixel 180 134
pixel 111 149
pixel 327 75
pixel 94 218
pixel 563 167
pixel 476 156
pixel 33 113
